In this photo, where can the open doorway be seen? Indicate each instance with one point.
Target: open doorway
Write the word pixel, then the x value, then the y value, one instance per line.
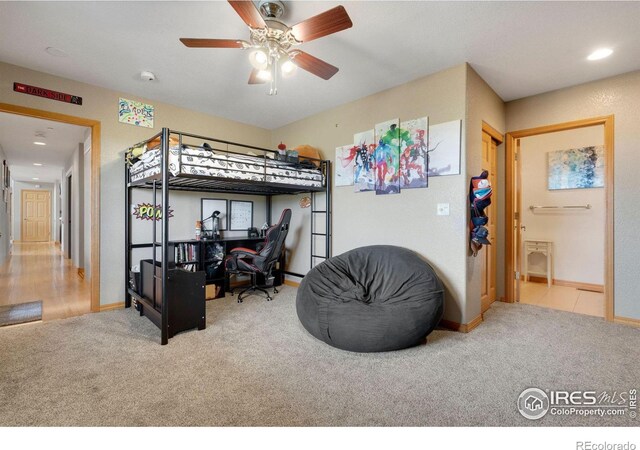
pixel 73 200
pixel 559 216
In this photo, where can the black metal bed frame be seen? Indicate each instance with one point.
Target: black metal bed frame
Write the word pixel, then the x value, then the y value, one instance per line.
pixel 165 182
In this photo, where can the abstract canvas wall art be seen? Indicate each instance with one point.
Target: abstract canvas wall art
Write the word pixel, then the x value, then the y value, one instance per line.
pixel 345 163
pixel 444 148
pixel 414 156
pixel 363 175
pixel 387 157
pixel 576 168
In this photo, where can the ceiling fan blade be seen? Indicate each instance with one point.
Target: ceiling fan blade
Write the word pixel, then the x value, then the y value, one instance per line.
pixel 211 43
pixel 328 22
pixel 314 65
pixel 249 13
pixel 253 77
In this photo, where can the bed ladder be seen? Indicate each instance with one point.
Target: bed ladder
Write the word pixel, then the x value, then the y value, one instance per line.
pixel 320 253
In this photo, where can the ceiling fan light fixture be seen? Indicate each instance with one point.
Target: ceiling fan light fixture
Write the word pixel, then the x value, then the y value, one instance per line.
pixel 264 75
pixel 288 67
pixel 259 59
pixel 271 42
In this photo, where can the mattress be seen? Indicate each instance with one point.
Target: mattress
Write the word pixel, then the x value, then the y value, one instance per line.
pixel 209 163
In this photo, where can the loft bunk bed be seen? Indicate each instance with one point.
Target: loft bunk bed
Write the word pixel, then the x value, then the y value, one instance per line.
pixel 173 298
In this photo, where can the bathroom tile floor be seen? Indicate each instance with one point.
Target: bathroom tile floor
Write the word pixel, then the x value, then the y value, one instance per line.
pixel 563 298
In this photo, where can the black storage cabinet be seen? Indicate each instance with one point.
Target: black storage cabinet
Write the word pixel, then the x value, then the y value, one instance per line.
pixel 186 292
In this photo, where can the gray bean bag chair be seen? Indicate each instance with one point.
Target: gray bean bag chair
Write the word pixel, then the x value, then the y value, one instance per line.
pixel 371 299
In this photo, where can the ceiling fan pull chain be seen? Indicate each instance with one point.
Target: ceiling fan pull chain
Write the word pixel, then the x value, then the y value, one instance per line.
pixel 275 78
pixel 274 75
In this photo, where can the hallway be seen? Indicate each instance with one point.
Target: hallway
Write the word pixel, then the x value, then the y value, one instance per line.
pixel 39 271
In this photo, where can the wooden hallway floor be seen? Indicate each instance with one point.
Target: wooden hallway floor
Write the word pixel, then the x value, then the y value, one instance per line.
pixel 39 271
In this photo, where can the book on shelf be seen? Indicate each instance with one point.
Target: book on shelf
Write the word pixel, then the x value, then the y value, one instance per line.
pixel 185 252
pixel 189 267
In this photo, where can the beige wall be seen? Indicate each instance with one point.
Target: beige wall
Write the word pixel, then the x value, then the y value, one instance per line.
pixel 483 104
pixel 75 169
pixel 618 96
pixel 102 105
pixel 408 219
pixel 577 234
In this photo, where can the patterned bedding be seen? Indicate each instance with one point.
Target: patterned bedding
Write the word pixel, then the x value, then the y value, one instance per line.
pixel 203 162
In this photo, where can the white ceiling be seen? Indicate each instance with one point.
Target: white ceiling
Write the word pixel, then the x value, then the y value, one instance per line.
pixel 17 134
pixel 519 48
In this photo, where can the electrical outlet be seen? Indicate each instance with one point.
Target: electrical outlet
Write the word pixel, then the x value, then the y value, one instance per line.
pixel 443 209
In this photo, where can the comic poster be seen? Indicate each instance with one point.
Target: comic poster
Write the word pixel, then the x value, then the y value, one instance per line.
pixel 363 176
pixel 344 165
pixel 414 153
pixel 387 157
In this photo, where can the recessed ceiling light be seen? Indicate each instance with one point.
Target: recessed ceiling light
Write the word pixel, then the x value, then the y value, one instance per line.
pixel 37 164
pixel 36 179
pixel 55 52
pixel 41 139
pixel 600 54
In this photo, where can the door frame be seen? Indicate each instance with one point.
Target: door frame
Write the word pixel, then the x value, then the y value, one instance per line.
pixel 512 197
pixel 95 126
pixel 22 192
pixel 496 136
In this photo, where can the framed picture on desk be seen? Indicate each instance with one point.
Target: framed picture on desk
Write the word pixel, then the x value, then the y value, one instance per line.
pixel 240 215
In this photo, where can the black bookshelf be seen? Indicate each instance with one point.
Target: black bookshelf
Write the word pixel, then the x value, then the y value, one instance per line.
pixel 208 256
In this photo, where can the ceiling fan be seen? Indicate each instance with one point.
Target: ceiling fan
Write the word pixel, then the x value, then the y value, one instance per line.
pixel 272 43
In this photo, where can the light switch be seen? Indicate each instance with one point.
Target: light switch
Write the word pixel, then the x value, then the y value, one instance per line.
pixel 443 209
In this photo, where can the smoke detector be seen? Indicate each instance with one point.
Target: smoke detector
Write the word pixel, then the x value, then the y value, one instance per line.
pixel 147 76
pixel 56 52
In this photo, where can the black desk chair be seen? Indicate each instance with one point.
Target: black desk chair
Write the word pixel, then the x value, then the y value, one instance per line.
pixel 253 262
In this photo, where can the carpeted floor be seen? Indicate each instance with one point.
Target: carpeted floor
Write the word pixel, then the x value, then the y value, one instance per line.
pixel 255 365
